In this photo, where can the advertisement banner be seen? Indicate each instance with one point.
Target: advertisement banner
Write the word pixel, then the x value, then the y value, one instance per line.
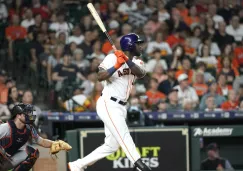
pixel 161 149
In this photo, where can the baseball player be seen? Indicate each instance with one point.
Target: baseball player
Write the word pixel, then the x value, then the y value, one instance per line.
pixel 15 153
pixel 118 71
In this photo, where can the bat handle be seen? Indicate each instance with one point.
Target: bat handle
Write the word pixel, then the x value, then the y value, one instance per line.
pixel 111 42
pixel 114 48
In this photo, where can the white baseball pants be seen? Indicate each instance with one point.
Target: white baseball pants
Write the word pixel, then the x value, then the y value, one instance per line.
pixel 117 133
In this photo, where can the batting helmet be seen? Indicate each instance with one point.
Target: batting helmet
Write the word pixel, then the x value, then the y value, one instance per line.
pixel 25 109
pixel 128 42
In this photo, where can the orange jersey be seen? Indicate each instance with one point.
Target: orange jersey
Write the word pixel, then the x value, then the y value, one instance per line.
pixel 201 89
pixel 172 40
pixel 190 20
pixel 16 32
pixel 153 98
pixel 238 52
pixel 230 105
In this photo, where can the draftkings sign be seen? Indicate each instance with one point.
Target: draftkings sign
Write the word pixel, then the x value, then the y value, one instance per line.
pixel 161 149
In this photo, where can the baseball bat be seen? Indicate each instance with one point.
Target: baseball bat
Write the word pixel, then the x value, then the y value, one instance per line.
pixel 100 23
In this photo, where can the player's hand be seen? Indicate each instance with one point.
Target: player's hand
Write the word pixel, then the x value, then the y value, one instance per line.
pixel 119 60
pixel 120 54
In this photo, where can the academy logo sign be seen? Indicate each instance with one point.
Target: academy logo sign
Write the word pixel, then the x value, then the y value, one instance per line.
pixel 208 132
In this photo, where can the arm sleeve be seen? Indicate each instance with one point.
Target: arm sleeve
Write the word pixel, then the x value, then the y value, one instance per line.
pixel 34 135
pixel 4 130
pixel 108 62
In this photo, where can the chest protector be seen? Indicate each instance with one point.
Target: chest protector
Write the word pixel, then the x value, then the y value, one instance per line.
pixel 16 139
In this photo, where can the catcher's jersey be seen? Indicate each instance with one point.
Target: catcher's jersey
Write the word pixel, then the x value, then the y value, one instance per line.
pixel 120 84
pixel 6 132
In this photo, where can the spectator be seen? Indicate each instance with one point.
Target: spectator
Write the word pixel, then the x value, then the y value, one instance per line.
pixel 94 63
pixel 37 26
pixel 156 59
pixel 175 38
pixel 78 102
pixel 38 8
pixel 192 18
pixel 180 5
pixel 158 73
pixel 53 60
pixel 153 94
pixel 201 66
pixel 221 37
pixel 173 104
pixel 166 85
pixel 212 91
pixel 61 25
pixel 45 30
pixel 159 44
pixel 28 99
pixel 97 51
pixel 161 106
pixel 139 16
pixel 15 31
pixel 106 47
pixel 178 54
pixel 196 37
pixel 79 60
pixel 3 11
pixel 212 13
pixel 186 69
pixel 76 37
pixel 210 105
pixel 153 23
pixel 89 84
pixel 3 87
pixel 66 71
pixel 232 103
pixel 29 20
pixel 235 29
pixel 223 88
pixel 228 70
pixel 13 97
pixel 214 161
pixel 210 60
pixel 186 92
pixel 16 9
pixel 199 84
pixel 128 6
pixel 98 87
pixel 214 49
pixel 187 105
pixel 163 13
pixel 86 45
pixel 209 27
pixel 241 106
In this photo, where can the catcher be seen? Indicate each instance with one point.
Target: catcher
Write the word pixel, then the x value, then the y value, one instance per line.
pixel 15 153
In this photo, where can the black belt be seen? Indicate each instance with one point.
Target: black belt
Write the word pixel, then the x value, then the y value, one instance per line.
pixel 116 100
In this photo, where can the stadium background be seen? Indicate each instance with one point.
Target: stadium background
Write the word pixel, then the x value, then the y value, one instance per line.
pixel 200 38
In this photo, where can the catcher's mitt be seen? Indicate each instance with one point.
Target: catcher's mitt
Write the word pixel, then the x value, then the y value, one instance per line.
pixel 58 146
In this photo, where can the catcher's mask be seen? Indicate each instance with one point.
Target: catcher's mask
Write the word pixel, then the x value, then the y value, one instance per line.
pixel 25 109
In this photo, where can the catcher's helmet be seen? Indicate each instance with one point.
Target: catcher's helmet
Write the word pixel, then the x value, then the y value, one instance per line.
pixel 128 41
pixel 25 109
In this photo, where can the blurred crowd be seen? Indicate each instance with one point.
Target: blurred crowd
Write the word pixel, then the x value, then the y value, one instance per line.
pixel 193 53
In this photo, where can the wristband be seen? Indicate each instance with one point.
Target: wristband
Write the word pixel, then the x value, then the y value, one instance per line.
pixel 111 70
pixel 130 63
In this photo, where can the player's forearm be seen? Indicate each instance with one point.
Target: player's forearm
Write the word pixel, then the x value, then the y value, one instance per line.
pixel 103 75
pixel 136 70
pixel 45 143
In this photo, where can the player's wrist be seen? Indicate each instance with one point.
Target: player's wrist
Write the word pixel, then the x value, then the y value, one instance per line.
pixel 130 63
pixel 117 65
pixel 111 70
